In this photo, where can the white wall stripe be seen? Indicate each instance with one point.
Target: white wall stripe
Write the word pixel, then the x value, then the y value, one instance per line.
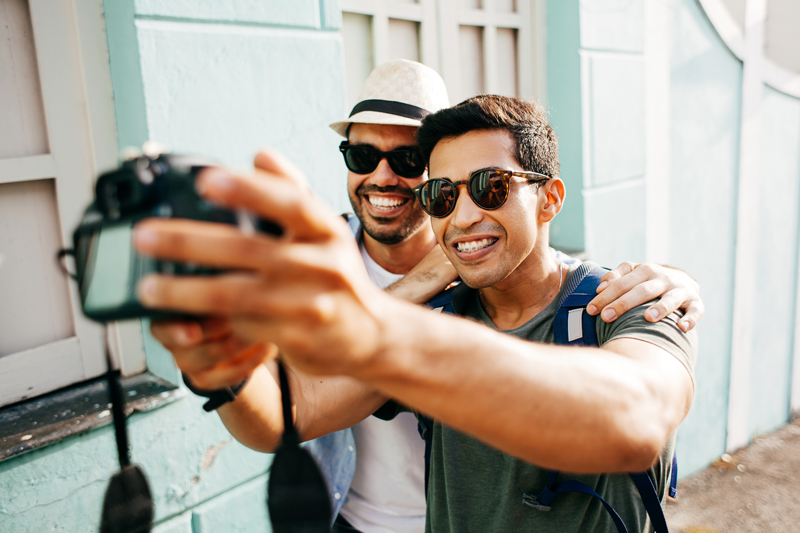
pixel 658 25
pixel 745 289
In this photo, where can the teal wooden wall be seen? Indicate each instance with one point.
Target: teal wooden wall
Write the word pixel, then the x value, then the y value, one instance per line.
pixel 219 79
pixel 597 48
pixel 705 101
pixel 779 196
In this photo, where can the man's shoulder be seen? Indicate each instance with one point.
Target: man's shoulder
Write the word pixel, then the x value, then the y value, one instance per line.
pixel 665 334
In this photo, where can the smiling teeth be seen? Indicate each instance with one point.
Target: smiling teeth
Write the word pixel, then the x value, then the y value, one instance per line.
pixel 474 246
pixel 379 201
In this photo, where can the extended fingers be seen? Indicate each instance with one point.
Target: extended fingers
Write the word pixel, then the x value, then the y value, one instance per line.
pixel 232 370
pixel 670 301
pixel 173 334
pixel 277 164
pixel 638 295
pixel 694 312
pixel 222 295
pixel 215 245
pixel 613 275
pixel 283 201
pixel 617 288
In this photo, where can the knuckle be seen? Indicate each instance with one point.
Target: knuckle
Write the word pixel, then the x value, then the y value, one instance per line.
pixel 648 267
pixel 649 291
pixel 321 310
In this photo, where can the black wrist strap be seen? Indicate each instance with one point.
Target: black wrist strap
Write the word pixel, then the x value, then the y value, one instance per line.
pixel 216 398
pixel 290 435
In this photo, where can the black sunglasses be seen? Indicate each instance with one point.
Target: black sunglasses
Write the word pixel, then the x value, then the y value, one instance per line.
pixel 487 187
pixel 363 159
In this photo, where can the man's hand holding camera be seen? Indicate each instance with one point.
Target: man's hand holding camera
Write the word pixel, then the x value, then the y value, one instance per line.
pixel 281 288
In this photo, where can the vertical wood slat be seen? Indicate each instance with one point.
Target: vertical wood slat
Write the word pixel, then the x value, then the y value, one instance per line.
pixel 380 34
pixel 428 42
pixel 449 37
pixel 539 43
pixel 23 131
pixel 527 59
pixel 64 95
pixel 745 289
pixel 490 85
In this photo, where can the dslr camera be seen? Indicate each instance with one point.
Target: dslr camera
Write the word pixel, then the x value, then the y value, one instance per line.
pixel 108 268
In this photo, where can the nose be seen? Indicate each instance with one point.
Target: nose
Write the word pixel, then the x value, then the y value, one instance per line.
pixel 465 213
pixel 383 175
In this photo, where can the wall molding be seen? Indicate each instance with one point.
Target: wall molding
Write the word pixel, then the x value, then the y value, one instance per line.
pixel 774 75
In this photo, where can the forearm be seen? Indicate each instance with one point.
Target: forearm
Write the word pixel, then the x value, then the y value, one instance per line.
pixel 320 405
pixel 431 276
pixel 255 417
pixel 416 289
pixel 579 410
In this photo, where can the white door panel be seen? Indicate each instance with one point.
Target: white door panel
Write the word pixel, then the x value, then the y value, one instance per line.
pixel 478 46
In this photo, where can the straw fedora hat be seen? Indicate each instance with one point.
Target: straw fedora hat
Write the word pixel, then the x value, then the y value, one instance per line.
pixel 399 92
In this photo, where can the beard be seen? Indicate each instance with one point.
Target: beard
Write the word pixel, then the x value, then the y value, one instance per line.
pixel 388 230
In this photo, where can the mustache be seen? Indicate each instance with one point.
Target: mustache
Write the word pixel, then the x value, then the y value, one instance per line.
pixel 454 233
pixel 390 189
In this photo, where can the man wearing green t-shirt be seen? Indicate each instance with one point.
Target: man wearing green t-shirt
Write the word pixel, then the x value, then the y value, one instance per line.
pixel 506 408
pixel 474 486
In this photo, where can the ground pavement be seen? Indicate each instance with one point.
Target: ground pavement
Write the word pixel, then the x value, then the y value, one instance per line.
pixel 757 489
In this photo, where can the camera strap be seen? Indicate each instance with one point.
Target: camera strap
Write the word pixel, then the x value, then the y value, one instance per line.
pixel 297 496
pixel 128 504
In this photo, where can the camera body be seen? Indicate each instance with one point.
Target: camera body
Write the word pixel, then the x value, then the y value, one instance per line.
pixel 108 268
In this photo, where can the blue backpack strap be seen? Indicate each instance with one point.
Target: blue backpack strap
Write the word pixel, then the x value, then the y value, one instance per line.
pixel 573 326
pixel 441 303
pixel 425 428
pixel 673 482
pixel 543 501
pixel 651 502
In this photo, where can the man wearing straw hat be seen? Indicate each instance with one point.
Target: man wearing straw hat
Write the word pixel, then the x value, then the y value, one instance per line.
pixel 384 489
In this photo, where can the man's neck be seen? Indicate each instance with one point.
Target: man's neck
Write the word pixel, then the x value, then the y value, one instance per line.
pixel 400 258
pixel 527 291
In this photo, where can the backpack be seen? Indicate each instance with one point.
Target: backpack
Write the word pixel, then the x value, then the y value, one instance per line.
pixel 572 326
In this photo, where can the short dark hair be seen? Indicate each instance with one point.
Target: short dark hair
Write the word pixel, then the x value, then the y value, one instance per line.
pixel 537 147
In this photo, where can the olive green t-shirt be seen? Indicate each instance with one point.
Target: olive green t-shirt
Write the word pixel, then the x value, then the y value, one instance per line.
pixel 474 487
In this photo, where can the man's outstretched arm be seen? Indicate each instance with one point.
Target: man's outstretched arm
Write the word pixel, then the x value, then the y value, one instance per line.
pixel 211 357
pixel 307 292
pixel 582 410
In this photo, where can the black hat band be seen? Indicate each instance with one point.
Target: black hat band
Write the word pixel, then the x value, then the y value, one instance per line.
pixel 392 108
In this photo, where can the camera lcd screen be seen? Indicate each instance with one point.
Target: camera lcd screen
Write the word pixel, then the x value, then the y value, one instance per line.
pixel 112 269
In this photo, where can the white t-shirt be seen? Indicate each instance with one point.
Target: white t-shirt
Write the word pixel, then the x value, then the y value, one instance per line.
pixel 387 494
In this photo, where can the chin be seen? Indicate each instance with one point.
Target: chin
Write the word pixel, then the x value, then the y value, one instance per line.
pixel 480 279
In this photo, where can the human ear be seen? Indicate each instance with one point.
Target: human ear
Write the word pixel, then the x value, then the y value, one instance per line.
pixel 553 199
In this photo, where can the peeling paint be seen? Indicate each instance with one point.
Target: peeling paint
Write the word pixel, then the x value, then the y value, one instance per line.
pixel 211 454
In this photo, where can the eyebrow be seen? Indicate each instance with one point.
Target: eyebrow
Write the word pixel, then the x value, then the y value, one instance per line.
pixel 404 147
pixel 496 167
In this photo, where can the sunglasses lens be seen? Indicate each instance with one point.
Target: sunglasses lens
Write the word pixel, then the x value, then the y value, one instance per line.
pixel 361 160
pixel 488 189
pixel 407 163
pixel 438 197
